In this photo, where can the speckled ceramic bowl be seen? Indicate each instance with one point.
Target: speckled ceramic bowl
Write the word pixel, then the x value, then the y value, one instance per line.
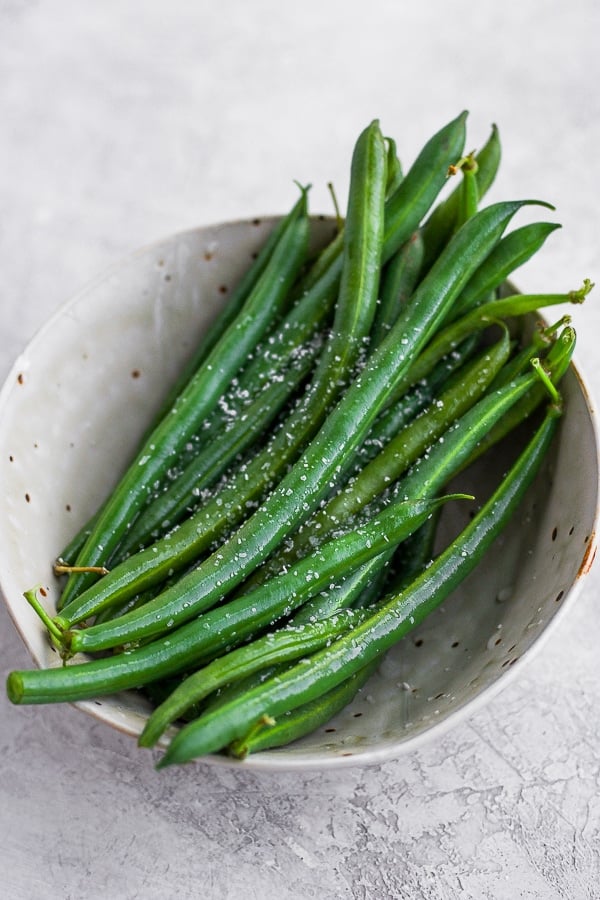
pixel 80 396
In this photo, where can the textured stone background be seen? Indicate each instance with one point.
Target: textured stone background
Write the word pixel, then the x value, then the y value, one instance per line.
pixel 121 122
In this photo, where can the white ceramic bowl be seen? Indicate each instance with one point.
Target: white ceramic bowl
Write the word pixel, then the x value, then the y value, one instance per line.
pixel 80 396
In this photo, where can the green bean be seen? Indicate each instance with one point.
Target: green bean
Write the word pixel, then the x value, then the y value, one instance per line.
pixel 468 194
pixel 394 618
pixel 235 302
pixel 478 319
pixel 394 167
pixel 283 645
pixel 440 225
pixel 543 338
pixel 297 723
pixel 341 595
pixel 556 363
pixel 421 184
pixel 512 251
pixel 399 281
pixel 413 555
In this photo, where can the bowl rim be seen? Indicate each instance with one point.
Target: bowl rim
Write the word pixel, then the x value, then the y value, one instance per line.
pixel 279 760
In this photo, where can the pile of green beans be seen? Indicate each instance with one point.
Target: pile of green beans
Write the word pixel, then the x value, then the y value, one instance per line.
pixel 273 536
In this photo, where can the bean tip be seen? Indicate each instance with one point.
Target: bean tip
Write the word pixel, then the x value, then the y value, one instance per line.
pixel 14 687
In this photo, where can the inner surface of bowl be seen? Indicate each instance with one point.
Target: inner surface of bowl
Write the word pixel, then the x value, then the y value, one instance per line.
pixel 81 395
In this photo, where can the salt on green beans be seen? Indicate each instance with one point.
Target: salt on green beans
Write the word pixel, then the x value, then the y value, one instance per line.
pixel 198 398
pixel 309 680
pixel 219 629
pixel 301 490
pixel 315 522
pixel 281 646
pixel 402 215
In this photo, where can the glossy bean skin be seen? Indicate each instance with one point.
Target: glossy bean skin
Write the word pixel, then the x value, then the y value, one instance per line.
pixel 346 594
pixel 468 193
pixel 423 181
pixel 399 280
pixel 441 224
pixel 275 648
pixel 297 723
pixel 478 319
pixel 511 252
pixel 394 167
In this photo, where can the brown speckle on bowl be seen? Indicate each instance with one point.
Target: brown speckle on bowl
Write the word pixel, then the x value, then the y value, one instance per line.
pixel 396 711
pixel 588 559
